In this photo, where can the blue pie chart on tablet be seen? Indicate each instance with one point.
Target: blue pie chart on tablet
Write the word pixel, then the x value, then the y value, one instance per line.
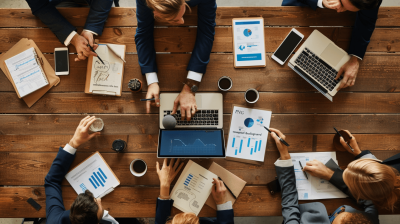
pixel 249 122
pixel 247 32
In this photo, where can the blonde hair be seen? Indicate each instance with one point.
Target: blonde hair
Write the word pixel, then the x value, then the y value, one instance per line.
pixel 371 180
pixel 184 218
pixel 168 8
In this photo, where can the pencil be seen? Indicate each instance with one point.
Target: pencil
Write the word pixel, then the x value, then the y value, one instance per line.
pixel 303 171
pixel 116 53
pixel 227 188
pixel 283 141
pixel 96 53
pixel 343 139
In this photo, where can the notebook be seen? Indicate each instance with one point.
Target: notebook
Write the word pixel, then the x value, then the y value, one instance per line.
pixel 93 174
pixel 26 72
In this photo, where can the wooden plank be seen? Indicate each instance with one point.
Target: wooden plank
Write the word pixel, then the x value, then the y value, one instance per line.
pixel 273 16
pixel 148 143
pixel 378 73
pixel 282 103
pixel 182 39
pixel 128 124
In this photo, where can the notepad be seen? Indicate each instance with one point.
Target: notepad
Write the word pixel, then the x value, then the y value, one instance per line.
pixel 26 72
pixel 94 175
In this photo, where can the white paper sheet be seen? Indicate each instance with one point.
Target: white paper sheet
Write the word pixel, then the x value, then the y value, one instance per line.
pixel 314 188
pixel 247 135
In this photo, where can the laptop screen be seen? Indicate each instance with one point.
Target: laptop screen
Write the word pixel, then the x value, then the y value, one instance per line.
pixel 191 143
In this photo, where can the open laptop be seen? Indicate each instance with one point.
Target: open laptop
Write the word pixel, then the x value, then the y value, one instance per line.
pixel 202 137
pixel 318 61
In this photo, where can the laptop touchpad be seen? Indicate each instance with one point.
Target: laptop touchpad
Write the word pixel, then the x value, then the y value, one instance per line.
pixel 199 101
pixel 332 54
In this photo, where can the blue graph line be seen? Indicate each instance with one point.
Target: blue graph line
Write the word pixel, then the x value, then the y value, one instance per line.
pixel 240 149
pixel 19 65
pixel 233 143
pixel 98 179
pixel 98 173
pixel 248 143
pixel 259 146
pixel 98 185
pixel 92 183
pixel 29 75
pixel 255 148
pixel 101 171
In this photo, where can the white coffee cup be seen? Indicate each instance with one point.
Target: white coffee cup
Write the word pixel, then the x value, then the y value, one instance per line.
pixel 134 173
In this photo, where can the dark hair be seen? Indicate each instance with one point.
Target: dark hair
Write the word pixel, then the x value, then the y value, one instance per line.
pixel 84 209
pixel 355 218
pixel 365 4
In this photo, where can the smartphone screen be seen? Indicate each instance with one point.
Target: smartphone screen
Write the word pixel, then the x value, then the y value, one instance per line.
pixel 287 47
pixel 61 58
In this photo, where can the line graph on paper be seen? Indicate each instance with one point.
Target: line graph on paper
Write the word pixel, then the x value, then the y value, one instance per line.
pixel 198 147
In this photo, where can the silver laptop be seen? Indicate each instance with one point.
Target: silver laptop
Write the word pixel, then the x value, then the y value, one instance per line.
pixel 209 111
pixel 318 61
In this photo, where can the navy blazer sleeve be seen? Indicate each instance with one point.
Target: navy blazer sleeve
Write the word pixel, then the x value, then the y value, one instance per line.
pixel 55 210
pixel 98 14
pixel 310 3
pixel 225 217
pixel 163 210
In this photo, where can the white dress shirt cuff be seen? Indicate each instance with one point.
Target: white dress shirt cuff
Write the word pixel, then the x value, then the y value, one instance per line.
pixel 69 38
pixel 165 199
pixel 195 76
pixel 284 163
pixel 320 4
pixel 89 31
pixel 108 217
pixel 355 56
pixel 225 206
pixel 70 149
pixel 151 78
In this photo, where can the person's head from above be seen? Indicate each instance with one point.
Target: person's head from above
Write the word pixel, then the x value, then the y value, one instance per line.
pixel 350 5
pixel 351 218
pixel 184 218
pixel 369 179
pixel 86 209
pixel 169 11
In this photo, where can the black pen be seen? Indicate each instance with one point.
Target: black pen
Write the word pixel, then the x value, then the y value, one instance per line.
pixel 343 139
pixel 227 188
pixel 148 99
pixel 303 170
pixel 96 53
pixel 283 141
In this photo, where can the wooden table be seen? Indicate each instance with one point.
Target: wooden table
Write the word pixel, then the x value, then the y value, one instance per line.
pixel 30 137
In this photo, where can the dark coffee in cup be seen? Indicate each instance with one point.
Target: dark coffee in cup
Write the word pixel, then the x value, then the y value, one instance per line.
pixel 139 166
pixel 251 95
pixel 225 83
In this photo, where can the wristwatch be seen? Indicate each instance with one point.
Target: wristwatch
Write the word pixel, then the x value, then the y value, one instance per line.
pixel 193 85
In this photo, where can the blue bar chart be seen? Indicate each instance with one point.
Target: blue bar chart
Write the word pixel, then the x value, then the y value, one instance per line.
pixel 188 179
pixel 98 179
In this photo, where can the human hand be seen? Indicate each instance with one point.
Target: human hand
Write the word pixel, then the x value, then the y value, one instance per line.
pixel 167 173
pixel 218 192
pixel 82 132
pixel 334 4
pixel 352 142
pixel 188 103
pixel 350 70
pixel 89 37
pixel 283 150
pixel 82 49
pixel 153 91
pixel 318 169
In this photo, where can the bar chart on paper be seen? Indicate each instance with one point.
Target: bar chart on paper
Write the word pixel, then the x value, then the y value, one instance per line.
pixel 98 178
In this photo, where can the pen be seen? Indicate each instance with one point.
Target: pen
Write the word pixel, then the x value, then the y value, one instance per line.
pixel 302 170
pixel 227 188
pixel 343 139
pixel 116 53
pixel 147 99
pixel 96 53
pixel 283 141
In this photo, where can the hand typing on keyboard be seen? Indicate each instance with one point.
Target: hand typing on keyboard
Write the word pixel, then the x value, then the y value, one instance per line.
pixel 349 71
pixel 187 101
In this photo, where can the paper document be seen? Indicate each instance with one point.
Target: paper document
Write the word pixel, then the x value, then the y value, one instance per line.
pixel 314 188
pixel 107 78
pixel 26 72
pixel 247 135
pixel 248 35
pixel 192 188
pixel 94 175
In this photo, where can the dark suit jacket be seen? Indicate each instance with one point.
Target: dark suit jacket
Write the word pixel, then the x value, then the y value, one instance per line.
pixel 163 211
pixel 206 11
pixel 49 15
pixel 308 213
pixel 55 210
pixel 363 27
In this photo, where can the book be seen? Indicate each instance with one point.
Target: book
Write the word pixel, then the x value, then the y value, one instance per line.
pixel 248 42
pixel 93 174
pixel 26 72
pixel 247 136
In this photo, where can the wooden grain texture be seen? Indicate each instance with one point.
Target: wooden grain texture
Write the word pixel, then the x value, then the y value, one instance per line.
pixel 273 16
pixel 280 103
pixel 379 72
pixel 182 39
pixel 148 124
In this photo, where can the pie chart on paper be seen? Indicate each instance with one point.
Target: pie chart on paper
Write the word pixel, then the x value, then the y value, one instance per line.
pixel 249 122
pixel 247 32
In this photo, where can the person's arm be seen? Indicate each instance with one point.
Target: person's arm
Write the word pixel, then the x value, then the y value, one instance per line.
pixel 310 3
pixel 97 16
pixel 224 207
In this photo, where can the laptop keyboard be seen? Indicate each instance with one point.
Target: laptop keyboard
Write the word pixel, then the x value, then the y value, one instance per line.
pixel 202 117
pixel 318 69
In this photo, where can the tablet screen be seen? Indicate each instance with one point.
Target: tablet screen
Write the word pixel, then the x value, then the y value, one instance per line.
pixel 191 143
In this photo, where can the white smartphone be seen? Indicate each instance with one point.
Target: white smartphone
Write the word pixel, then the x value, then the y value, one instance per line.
pixel 287 46
pixel 61 60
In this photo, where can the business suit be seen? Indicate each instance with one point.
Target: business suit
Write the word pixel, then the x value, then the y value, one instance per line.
pixel 144 37
pixel 49 15
pixel 363 27
pixel 163 211
pixel 309 213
